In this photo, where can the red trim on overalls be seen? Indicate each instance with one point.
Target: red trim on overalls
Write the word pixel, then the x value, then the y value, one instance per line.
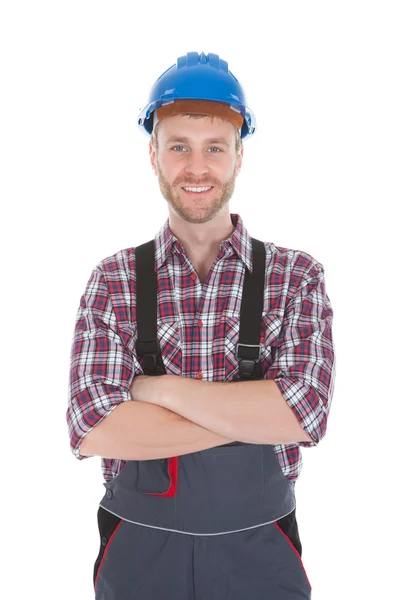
pixel 173 478
pixel 294 550
pixel 105 552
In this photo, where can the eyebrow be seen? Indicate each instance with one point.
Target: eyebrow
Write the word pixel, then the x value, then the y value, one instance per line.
pixel 214 140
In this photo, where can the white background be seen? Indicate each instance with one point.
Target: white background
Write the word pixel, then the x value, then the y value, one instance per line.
pixel 321 174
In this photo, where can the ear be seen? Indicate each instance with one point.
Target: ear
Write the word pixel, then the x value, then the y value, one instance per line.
pixel 152 153
pixel 239 161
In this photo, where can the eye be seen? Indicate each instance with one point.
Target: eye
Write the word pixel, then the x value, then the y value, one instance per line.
pixel 211 148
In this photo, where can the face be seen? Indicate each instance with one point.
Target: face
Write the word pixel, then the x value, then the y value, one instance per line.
pixel 196 152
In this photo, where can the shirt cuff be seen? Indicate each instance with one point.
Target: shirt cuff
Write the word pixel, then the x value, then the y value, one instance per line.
pixel 304 402
pixel 83 416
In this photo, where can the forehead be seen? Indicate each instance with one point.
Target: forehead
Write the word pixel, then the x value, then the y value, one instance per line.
pixel 205 128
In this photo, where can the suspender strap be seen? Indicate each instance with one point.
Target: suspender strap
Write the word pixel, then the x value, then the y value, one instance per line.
pixel 248 348
pixel 146 310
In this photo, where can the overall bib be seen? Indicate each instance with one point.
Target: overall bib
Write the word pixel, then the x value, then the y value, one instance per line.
pixel 211 525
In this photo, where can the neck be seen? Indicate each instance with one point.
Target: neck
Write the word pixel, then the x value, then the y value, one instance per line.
pixel 200 237
pixel 202 241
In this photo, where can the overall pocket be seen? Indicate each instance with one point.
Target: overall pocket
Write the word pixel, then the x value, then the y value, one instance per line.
pixel 153 476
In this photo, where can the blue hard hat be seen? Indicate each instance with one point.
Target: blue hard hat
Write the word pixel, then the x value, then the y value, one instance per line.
pixel 198 77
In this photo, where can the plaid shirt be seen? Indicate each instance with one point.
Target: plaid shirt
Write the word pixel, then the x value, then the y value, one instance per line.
pixel 198 329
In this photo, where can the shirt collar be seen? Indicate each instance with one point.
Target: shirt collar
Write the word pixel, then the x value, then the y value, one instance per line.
pixel 166 243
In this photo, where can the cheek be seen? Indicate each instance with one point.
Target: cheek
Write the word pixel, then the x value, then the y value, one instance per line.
pixel 225 171
pixel 169 167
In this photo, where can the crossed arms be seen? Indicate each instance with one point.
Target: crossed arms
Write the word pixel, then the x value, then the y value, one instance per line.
pixel 172 415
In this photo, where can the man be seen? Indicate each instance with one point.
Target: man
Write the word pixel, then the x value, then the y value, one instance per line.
pixel 201 362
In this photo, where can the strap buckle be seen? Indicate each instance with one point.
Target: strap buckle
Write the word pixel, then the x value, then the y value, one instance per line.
pixel 249 346
pixel 247 363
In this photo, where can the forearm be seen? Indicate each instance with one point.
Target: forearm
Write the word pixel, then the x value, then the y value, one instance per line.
pixel 253 412
pixel 140 431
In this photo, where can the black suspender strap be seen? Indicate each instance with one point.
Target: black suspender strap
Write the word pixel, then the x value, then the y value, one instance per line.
pixel 248 348
pixel 147 345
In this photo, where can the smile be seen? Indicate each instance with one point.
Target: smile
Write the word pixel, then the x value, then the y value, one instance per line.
pixel 198 190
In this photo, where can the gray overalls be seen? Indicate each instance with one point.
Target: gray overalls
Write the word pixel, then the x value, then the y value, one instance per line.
pixel 211 525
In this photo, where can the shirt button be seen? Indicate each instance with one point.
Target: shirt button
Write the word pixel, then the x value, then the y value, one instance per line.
pixel 200 323
pixel 262 340
pixel 104 541
pixel 199 376
pixel 109 494
pixel 193 276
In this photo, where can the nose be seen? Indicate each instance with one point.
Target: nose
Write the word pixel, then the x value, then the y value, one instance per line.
pixel 196 164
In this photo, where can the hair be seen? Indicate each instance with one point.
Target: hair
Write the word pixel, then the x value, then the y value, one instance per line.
pixel 154 139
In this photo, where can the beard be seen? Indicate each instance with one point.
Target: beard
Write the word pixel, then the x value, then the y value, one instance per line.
pixel 203 210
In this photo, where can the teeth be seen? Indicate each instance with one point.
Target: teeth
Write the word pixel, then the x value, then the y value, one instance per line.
pixel 200 189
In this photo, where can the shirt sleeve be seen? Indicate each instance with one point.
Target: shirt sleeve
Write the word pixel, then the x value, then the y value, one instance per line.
pixel 102 363
pixel 304 367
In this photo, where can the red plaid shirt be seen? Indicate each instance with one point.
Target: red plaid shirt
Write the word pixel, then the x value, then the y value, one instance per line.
pixel 198 329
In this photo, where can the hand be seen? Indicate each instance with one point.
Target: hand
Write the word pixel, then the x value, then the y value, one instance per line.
pixel 149 388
